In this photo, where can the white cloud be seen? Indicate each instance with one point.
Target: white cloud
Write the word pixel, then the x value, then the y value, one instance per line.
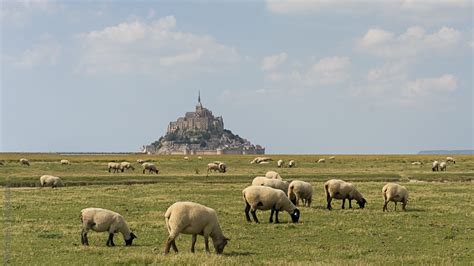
pixel 153 47
pixel 271 62
pixel 412 43
pixel 46 52
pixel 426 86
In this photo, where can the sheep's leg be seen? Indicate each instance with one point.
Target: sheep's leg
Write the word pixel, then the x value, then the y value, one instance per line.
pixel 173 244
pixel 385 203
pixel 308 202
pixel 276 217
pixel 404 204
pixel 110 240
pixel 170 242
pixel 329 199
pixel 343 203
pixel 350 204
pixel 84 239
pixel 193 243
pixel 206 243
pixel 143 171
pixel 247 210
pixel 271 215
pixel 254 215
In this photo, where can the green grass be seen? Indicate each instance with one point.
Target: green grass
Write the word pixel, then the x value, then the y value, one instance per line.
pixel 43 225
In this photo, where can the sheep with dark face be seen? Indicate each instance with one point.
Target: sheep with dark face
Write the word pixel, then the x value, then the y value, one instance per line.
pixel 396 193
pixel 450 160
pixel 24 161
pixel 50 181
pixel 64 162
pixel 216 166
pixel 300 190
pixel 126 166
pixel 291 163
pixel 435 166
pixel 442 166
pixel 281 163
pixel 267 198
pixel 150 167
pixel 113 166
pixel 339 189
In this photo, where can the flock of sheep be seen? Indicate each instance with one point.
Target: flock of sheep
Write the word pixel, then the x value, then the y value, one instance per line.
pixel 269 192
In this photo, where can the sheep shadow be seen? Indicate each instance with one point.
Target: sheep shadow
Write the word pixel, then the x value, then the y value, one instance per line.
pixel 237 254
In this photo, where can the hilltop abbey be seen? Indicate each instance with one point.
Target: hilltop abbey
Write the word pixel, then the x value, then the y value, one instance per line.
pixel 200 132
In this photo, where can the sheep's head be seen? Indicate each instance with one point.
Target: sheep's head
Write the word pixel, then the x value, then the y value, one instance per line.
pixel 295 216
pixel 362 203
pixel 220 245
pixel 129 241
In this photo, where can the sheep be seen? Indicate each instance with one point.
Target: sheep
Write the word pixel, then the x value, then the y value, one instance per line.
pixel 50 181
pixel 273 183
pixel 126 165
pixel 194 219
pixel 150 167
pixel 216 166
pixel 140 161
pixel 300 190
pixel 267 198
pixel 450 160
pixel 273 175
pixel 186 158
pixel 332 157
pixel 339 189
pixel 322 160
pixel 114 166
pixel 199 158
pixel 280 163
pixel 24 161
pixel 416 163
pixel 258 160
pixel 291 163
pixel 264 162
pixel 442 166
pixel 435 166
pixel 396 193
pixel 101 220
pixel 64 162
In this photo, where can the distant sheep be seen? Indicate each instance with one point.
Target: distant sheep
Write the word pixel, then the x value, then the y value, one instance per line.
pixel 332 157
pixel 264 162
pixel 65 162
pixel 280 163
pixel 291 163
pixel 450 160
pixel 186 158
pixel 258 160
pixel 396 193
pixel 200 158
pixel 273 183
pixel 216 166
pixel 322 160
pixel 417 163
pixel 24 161
pixel 339 189
pixel 194 219
pixel 442 166
pixel 114 166
pixel 435 166
pixel 150 167
pixel 266 198
pixel 300 190
pixel 273 175
pixel 50 181
pixel 125 166
pixel 101 220
pixel 140 161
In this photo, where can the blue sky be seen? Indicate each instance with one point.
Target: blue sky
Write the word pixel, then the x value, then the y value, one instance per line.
pixel 294 76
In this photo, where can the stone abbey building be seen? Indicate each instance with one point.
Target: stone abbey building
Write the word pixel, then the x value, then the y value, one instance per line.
pixel 200 132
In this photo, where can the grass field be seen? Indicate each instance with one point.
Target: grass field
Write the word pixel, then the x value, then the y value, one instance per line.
pixel 42 226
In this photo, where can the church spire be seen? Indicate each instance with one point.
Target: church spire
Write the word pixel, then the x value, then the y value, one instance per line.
pixel 199 96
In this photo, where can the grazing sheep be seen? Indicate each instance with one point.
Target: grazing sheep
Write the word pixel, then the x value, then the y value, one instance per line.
pixel 339 189
pixel 50 181
pixel 273 175
pixel 442 166
pixel 273 183
pixel 216 166
pixel 150 167
pixel 199 158
pixel 280 163
pixel 435 166
pixel 186 158
pixel 101 220
pixel 291 163
pixel 114 166
pixel 264 162
pixel 322 160
pixel 450 160
pixel 332 157
pixel 267 198
pixel 396 193
pixel 300 190
pixel 417 163
pixel 125 166
pixel 259 160
pixel 65 162
pixel 194 219
pixel 140 161
pixel 24 161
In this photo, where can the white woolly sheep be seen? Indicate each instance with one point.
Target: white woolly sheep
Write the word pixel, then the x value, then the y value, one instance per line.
pixel 450 160
pixel 273 175
pixel 291 163
pixel 322 160
pixel 102 220
pixel 186 158
pixel 194 219
pixel 125 166
pixel 64 162
pixel 50 181
pixel 332 157
pixel 273 183
pixel 24 161
pixel 114 166
pixel 416 163
pixel 267 198
pixel 442 166
pixel 264 162
pixel 150 167
pixel 339 189
pixel 300 190
pixel 216 166
pixel 396 193
pixel 280 163
pixel 258 160
pixel 435 166
pixel 199 158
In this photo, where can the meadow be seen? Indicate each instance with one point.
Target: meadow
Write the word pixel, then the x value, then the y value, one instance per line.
pixel 42 225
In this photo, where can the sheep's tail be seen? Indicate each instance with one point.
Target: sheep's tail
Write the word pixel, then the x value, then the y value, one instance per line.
pixel 167 219
pixel 290 190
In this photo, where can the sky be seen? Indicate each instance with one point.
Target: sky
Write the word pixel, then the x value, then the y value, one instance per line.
pixel 303 77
